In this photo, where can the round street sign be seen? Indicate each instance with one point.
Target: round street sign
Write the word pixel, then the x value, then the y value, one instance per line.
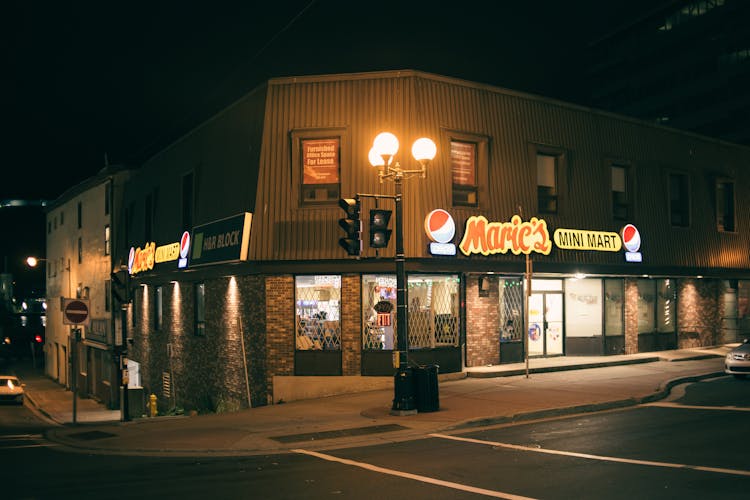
pixel 76 312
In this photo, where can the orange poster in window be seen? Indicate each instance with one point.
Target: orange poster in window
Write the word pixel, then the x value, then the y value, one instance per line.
pixel 463 163
pixel 320 161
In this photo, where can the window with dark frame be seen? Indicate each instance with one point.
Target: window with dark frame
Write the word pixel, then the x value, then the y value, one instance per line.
pixel 107 198
pixel 200 309
pixel 80 250
pixel 725 205
pixel 547 165
pixel 107 295
pixel 464 160
pixel 621 197
pixel 80 215
pixel 679 200
pixel 321 167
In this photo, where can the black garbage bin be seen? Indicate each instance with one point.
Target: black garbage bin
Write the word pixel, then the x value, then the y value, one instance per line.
pixel 404 390
pixel 428 398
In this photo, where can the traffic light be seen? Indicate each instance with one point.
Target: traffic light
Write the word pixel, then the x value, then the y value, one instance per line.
pixel 351 224
pixel 379 232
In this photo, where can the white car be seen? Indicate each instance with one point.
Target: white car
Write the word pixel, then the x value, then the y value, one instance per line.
pixel 737 362
pixel 11 389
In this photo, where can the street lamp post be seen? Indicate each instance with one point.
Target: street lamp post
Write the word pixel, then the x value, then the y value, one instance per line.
pixel 384 149
pixel 74 339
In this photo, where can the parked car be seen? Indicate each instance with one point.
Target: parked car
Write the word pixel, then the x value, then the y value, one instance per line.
pixel 11 389
pixel 737 362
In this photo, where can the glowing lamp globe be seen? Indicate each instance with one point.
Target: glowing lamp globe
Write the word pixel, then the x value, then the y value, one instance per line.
pixel 423 150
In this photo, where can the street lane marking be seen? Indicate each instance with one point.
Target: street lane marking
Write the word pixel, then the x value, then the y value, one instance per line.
pixel 415 477
pixel 667 404
pixel 603 458
pixel 42 445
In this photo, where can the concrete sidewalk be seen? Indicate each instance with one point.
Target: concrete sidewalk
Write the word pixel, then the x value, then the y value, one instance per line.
pixel 488 395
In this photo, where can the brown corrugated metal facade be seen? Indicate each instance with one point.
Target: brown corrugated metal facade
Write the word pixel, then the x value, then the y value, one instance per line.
pixel 246 159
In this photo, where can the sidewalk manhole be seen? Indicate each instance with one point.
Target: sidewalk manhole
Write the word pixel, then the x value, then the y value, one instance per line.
pixel 91 435
pixel 357 431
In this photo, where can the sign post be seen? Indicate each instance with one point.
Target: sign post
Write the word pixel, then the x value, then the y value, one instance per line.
pixel 75 313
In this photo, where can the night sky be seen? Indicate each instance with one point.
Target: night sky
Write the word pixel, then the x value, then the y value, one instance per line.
pixel 89 82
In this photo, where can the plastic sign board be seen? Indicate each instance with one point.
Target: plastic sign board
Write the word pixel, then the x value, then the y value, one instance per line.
pixel 76 312
pixel 631 240
pixel 440 228
pixel 578 239
pixel 184 250
pixel 224 240
pixel 142 259
pixel 487 238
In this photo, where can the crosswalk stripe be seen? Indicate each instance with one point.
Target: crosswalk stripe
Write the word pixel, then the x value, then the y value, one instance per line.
pixel 415 477
pixel 652 463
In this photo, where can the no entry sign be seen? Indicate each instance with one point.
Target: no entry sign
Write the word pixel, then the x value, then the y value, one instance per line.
pixel 76 312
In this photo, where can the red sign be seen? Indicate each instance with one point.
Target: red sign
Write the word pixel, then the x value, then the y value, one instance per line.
pixel 75 312
pixel 320 158
pixel 384 319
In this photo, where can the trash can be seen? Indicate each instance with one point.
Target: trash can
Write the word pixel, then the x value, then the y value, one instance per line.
pixel 428 398
pixel 404 389
pixel 136 404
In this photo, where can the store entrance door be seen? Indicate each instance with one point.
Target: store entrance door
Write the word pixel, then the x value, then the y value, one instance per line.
pixel 546 324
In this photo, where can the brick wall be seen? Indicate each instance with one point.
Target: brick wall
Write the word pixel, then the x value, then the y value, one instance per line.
pixel 208 372
pixel 698 312
pixel 631 315
pixel 351 324
pixel 279 328
pixel 482 324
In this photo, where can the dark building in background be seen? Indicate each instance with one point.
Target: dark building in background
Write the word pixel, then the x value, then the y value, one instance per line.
pixel 686 65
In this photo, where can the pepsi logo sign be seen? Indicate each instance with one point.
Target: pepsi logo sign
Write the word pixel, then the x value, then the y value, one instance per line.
pixel 184 250
pixel 441 229
pixel 439 226
pixel 131 259
pixel 184 244
pixel 631 238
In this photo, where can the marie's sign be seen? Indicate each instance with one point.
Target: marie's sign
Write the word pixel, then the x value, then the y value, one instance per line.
pixel 487 238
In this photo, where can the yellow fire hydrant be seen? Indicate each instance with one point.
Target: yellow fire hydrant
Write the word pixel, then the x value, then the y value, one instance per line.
pixel 152 405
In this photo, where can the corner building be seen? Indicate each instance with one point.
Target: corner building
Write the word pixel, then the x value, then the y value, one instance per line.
pixel 634 233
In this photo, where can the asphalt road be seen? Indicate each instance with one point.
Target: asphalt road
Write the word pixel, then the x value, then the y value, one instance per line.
pixel 690 446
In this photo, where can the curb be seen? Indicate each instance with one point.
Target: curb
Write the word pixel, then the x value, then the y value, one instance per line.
pixel 661 392
pixel 550 369
pixel 38 409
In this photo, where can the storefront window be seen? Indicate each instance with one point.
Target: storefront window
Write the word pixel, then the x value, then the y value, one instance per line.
pixel 613 300
pixel 318 309
pixel 511 309
pixel 433 310
pixel 546 285
pixel 646 306
pixel 666 301
pixel 378 311
pixel 583 307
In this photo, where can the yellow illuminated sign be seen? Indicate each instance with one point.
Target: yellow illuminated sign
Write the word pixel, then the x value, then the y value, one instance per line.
pixel 578 239
pixel 166 253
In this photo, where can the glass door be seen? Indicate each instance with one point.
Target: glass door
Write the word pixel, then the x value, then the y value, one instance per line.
pixel 545 324
pixel 553 316
pixel 536 324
